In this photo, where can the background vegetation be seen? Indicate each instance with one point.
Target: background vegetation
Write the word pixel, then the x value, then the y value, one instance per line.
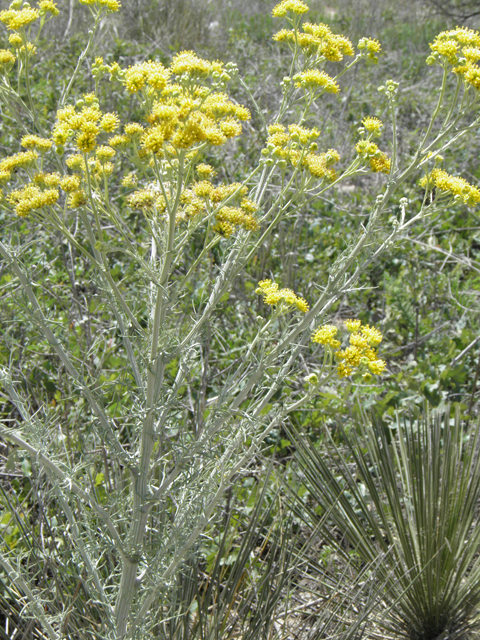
pixel 275 562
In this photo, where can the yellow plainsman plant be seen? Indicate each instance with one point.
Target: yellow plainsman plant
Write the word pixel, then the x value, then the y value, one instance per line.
pixel 147 191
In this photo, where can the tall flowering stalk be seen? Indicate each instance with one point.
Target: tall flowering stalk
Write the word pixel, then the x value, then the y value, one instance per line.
pixel 145 191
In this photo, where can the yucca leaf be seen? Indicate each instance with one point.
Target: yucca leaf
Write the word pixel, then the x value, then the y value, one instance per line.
pixel 411 498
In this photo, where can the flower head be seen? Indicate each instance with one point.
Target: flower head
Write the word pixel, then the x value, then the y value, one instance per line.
pixel 47 6
pixel 360 352
pixel 373 125
pixel 17 19
pixel 315 79
pixel 295 6
pixel 452 185
pixel 285 298
pixel 326 335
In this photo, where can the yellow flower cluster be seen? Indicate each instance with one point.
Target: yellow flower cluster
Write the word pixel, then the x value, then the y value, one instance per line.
pixel 183 114
pixel 16 19
pixel 187 63
pixel 15 40
pixel 205 171
pixel 109 5
pixel 130 180
pixel 370 47
pixel 146 199
pixel 149 74
pixel 70 183
pixel 326 335
pixel 47 179
pixel 353 325
pixel 313 79
pixel 238 213
pixel 317 40
pixel 84 125
pixel 378 161
pixel 202 198
pixel 105 153
pixel 373 126
pixel 452 184
pixel 47 6
pixel 109 122
pixel 36 142
pixel 286 298
pixel 230 218
pixel 7 59
pixel 460 48
pixel 22 159
pixel 31 198
pixel 284 145
pixel 295 6
pixel 359 354
pixel 77 199
pixel 320 165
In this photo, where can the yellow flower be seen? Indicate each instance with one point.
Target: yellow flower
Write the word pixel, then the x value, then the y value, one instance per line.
pixel 344 370
pixel 320 165
pixel 326 335
pixel 295 6
pixel 48 6
pixel 203 189
pixel 15 40
pixel 76 162
pixel 51 179
pixel 31 198
pixel 273 295
pixel 142 199
pixel 6 58
pixel 105 153
pixel 36 142
pixel 76 199
pixel 133 129
pixel 359 353
pixel 231 127
pixel 29 48
pixel 110 5
pixel 380 164
pixel 70 183
pixel 205 171
pixel 366 148
pixel 284 35
pixel 302 134
pixel 377 366
pixel 118 141
pixel 353 325
pixel 152 140
pixel 15 20
pixel 21 159
pixel 373 335
pixel 189 63
pixel 302 305
pixel 314 79
pixel 454 185
pixel 372 125
pixel 86 142
pixel 130 180
pixel 109 122
pixel 370 48
pixel 224 229
pixel 249 205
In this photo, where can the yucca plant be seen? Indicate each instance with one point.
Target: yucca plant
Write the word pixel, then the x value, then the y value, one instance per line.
pixel 409 495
